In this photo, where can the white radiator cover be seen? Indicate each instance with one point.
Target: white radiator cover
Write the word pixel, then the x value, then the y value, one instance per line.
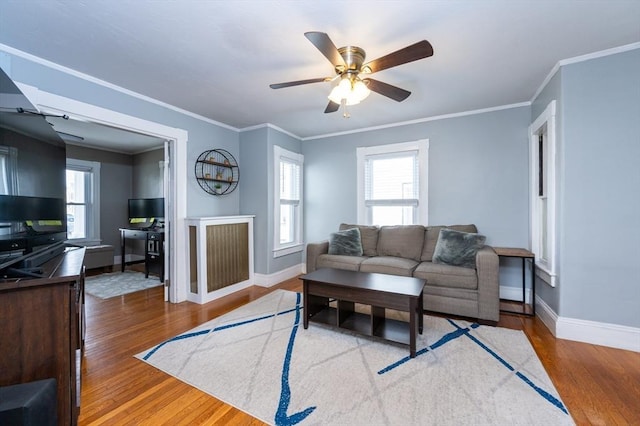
pixel 220 256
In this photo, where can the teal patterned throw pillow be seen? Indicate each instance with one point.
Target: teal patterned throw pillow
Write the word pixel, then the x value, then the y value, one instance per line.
pixel 347 242
pixel 458 248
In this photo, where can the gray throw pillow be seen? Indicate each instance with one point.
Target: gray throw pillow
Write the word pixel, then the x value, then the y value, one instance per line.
pixel 457 248
pixel 346 242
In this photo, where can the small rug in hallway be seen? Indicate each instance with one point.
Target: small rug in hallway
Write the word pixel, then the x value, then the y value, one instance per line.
pixel 259 359
pixel 106 286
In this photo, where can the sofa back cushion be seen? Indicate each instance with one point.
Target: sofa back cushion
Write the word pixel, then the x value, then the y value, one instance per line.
pixel 431 238
pixel 368 237
pixel 401 241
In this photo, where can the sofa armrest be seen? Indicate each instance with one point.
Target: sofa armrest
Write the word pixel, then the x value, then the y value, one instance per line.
pixel 313 251
pixel 487 267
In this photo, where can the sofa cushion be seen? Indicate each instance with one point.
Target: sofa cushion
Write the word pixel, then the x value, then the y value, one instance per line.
pixel 346 242
pixel 431 238
pixel 368 236
pixel 401 241
pixel 389 265
pixel 348 263
pixel 441 275
pixel 458 248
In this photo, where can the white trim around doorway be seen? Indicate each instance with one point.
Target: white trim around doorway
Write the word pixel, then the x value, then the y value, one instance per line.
pixel 175 142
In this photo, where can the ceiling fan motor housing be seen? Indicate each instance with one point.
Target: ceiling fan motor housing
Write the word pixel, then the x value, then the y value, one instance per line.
pixel 354 58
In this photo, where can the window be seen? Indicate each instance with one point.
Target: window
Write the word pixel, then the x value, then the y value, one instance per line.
pixel 392 184
pixel 288 169
pixel 543 185
pixel 83 200
pixel 8 170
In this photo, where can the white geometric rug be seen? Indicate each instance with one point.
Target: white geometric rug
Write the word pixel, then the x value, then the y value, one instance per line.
pixel 259 359
pixel 106 286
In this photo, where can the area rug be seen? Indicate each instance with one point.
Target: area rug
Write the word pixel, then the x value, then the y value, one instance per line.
pixel 106 286
pixel 259 359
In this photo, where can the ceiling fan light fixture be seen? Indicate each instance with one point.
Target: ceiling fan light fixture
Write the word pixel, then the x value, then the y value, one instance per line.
pixel 351 89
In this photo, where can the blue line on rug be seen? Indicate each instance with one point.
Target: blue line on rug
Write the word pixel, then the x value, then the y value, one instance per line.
pixel 546 395
pixel 444 339
pixel 459 332
pixel 222 327
pixel 281 417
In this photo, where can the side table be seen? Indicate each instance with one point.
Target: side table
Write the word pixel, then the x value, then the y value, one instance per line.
pixel 523 254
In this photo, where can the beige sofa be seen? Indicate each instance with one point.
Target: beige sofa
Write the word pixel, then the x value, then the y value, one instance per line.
pixel 408 250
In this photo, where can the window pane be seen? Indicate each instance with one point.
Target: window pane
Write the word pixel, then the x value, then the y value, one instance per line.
pixel 289 180
pixel 287 218
pixel 75 186
pixel 76 221
pixel 391 178
pixel 392 215
pixel 544 243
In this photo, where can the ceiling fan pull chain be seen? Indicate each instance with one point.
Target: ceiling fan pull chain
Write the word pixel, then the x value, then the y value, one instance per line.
pixel 345 112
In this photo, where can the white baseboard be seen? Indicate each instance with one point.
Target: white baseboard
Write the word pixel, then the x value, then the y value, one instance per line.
pixel 269 280
pixel 599 333
pixel 595 333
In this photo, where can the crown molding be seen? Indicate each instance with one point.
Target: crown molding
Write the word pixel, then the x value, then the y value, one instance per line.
pixel 421 120
pixel 582 58
pixel 91 79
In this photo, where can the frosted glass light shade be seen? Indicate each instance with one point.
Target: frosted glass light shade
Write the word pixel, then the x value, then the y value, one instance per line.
pixel 352 92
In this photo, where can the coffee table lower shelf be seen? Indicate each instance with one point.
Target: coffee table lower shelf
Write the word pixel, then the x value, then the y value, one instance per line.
pixel 365 324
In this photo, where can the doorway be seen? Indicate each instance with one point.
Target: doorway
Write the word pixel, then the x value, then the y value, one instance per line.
pixel 175 149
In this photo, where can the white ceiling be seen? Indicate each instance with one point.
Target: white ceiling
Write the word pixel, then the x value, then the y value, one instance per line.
pixel 217 58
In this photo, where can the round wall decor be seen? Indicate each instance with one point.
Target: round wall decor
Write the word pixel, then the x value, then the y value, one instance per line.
pixel 217 172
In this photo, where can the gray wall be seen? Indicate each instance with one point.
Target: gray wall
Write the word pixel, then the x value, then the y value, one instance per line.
pixel 478 173
pixel 257 193
pixel 254 191
pixel 147 176
pixel 40 165
pixel 601 193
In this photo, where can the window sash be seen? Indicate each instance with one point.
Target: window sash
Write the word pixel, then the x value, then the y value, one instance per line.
pixel 288 202
pixel 392 176
pixel 86 226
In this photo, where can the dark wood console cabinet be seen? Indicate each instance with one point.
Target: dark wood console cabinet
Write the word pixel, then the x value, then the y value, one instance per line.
pixel 41 329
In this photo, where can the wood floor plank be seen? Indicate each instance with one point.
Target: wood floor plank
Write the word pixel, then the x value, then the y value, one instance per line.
pixel 599 385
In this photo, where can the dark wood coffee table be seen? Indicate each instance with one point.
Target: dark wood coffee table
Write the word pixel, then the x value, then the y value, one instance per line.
pixel 380 291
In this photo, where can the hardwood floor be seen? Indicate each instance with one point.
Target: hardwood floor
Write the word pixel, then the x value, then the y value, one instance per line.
pixel 599 385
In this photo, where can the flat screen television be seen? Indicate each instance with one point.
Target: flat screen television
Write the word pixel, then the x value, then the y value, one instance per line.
pixel 146 211
pixel 27 223
pixel 32 177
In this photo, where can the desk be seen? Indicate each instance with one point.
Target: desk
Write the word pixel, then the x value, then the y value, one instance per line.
pixel 523 254
pixel 153 249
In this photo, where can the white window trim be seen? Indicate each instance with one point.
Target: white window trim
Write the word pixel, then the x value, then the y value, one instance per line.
pixel 280 250
pixel 422 146
pixel 93 227
pixel 546 269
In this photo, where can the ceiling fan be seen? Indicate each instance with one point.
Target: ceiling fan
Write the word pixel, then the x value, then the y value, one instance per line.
pixel 350 68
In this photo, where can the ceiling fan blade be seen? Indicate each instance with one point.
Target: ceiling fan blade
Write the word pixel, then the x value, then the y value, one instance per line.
pixel 419 50
pixel 393 92
pixel 331 107
pixel 324 44
pixel 299 82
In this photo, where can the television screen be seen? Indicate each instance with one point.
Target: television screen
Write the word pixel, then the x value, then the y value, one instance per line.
pixel 146 208
pixel 15 208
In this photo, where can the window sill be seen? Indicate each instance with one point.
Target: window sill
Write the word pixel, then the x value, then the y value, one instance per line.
pixel 284 251
pixel 546 275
